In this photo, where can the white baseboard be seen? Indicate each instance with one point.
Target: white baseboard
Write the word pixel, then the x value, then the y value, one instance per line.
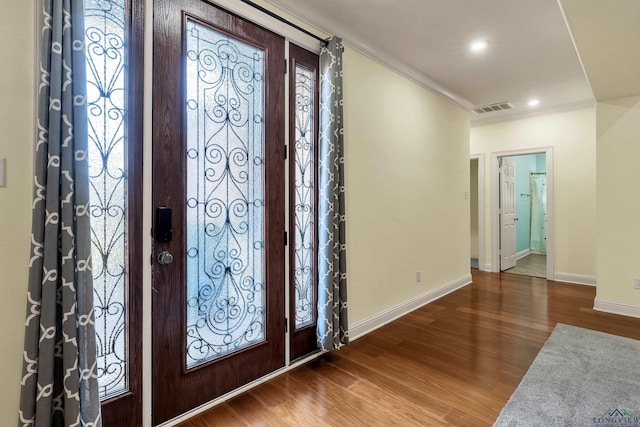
pixel 577 279
pixel 523 254
pixel 615 307
pixel 487 267
pixel 538 252
pixel 365 326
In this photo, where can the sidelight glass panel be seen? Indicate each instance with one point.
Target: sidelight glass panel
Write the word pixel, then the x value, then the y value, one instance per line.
pixel 106 107
pixel 225 195
pixel 304 197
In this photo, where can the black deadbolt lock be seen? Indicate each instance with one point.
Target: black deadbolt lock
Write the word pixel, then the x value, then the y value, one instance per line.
pixel 164 230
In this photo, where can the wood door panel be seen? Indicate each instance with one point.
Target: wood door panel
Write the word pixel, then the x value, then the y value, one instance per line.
pixel 176 389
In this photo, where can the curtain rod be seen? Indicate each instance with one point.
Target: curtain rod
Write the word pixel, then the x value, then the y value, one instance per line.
pixel 322 41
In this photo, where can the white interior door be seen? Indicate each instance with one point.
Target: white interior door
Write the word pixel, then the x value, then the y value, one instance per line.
pixel 507 214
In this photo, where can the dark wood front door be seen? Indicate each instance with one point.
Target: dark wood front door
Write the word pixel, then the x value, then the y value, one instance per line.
pixel 218 190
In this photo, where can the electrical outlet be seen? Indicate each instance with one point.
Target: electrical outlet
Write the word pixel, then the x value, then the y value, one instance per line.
pixel 636 282
pixel 417 276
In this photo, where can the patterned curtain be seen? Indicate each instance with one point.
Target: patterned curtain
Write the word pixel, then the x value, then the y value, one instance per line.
pixel 59 382
pixel 333 327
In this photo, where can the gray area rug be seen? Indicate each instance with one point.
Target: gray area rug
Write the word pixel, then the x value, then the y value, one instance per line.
pixel 579 378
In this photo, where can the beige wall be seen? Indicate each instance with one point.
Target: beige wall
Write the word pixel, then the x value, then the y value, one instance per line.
pixel 573 138
pixel 473 207
pixel 407 169
pixel 16 123
pixel 618 151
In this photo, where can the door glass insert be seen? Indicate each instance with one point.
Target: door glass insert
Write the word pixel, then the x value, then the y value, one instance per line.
pixel 106 64
pixel 225 195
pixel 304 197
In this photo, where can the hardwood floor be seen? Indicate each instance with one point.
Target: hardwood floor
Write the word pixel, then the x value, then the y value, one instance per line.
pixel 452 362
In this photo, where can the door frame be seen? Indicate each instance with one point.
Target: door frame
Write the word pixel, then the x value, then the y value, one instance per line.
pixel 495 205
pixel 481 210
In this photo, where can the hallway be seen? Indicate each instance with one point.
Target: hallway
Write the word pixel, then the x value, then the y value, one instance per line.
pixel 455 361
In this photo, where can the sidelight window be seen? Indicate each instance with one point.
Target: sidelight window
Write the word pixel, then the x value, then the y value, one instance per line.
pixel 304 197
pixel 106 108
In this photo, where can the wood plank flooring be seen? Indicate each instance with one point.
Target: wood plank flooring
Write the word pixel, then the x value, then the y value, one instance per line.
pixel 452 362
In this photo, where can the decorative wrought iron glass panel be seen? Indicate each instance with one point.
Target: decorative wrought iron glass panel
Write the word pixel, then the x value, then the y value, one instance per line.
pixel 106 93
pixel 224 201
pixel 304 197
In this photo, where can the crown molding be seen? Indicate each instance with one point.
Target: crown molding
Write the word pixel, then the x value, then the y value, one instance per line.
pixel 382 57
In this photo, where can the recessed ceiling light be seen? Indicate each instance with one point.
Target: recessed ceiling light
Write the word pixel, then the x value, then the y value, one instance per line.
pixel 478 45
pixel 534 102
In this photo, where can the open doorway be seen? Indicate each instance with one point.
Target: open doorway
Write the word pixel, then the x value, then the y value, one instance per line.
pixel 522 212
pixel 529 200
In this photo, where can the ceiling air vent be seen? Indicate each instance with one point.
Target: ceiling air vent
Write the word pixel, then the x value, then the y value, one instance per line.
pixel 493 107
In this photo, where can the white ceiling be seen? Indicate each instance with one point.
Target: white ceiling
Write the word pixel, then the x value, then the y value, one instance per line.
pixel 607 35
pixel 531 53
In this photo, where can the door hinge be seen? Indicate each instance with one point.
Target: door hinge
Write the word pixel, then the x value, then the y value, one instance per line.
pixel 285 151
pixel 285 66
pixel 286 238
pixel 286 325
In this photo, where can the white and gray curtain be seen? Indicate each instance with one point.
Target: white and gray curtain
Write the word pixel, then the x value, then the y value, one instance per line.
pixel 333 326
pixel 59 379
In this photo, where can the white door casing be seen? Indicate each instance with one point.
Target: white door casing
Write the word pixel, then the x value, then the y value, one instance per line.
pixel 494 217
pixel 482 259
pixel 507 214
